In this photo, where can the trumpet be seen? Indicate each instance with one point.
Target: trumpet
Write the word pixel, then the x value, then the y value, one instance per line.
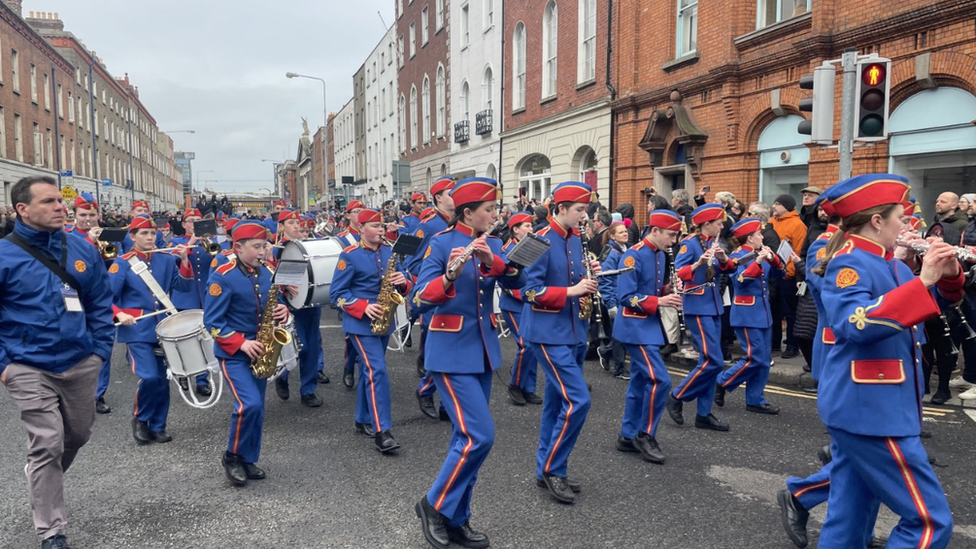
pixel 461 259
pixel 108 250
pixel 212 247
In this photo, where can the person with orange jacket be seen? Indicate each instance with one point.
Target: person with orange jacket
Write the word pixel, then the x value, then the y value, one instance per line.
pixel 790 228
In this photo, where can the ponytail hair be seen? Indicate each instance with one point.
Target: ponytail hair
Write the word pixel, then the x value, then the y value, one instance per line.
pixel 851 223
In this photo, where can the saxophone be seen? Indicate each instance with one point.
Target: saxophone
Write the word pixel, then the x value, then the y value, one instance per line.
pixel 271 336
pixel 586 301
pixel 388 298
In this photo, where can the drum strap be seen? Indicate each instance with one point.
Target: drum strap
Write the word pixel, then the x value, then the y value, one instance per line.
pixel 142 271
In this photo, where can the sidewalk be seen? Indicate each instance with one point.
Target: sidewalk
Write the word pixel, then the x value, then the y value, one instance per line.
pixel 789 372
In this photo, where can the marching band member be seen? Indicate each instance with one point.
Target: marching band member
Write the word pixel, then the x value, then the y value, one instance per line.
pixel 463 352
pixel 355 287
pixel 139 207
pixel 521 388
pixel 236 299
pixel 306 327
pixel 194 296
pixel 641 293
pixel 556 335
pixel 433 223
pixel 134 299
pixel 751 317
pixel 696 266
pixel 350 236
pixel 228 243
pixel 410 222
pixel 873 304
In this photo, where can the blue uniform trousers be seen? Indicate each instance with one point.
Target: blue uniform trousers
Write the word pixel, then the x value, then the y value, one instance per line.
pixel 310 358
pixel 152 391
pixel 524 370
pixel 894 471
pixel 706 331
pixel 350 364
pixel 564 405
pixel 813 490
pixel 373 393
pixel 247 420
pixel 647 391
pixel 103 379
pixel 471 440
pixel 752 369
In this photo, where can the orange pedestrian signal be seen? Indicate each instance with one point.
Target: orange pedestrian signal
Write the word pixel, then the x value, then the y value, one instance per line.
pixel 874 74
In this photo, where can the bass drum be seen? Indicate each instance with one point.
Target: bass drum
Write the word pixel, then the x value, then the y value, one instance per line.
pixel 322 257
pixel 189 352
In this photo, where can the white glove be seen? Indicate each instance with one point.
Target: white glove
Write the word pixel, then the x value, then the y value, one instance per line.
pixel 612 311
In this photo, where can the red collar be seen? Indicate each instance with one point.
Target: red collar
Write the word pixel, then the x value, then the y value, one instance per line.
pixel 831 229
pixel 870 246
pixel 649 244
pixel 466 230
pixel 560 230
pixel 415 214
pixel 365 246
pixel 142 255
pixel 353 230
pixel 747 248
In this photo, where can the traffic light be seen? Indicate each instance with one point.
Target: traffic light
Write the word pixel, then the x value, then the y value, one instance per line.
pixel 872 98
pixel 820 127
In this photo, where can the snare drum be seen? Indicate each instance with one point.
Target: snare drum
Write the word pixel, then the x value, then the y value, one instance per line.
pixel 188 348
pixel 322 257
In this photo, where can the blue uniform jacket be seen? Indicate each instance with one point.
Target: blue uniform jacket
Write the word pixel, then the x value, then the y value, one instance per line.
pixel 409 223
pixel 510 299
pixel 825 336
pixel 461 330
pixel 236 297
pixel 873 374
pixel 703 301
pixel 356 283
pixel 128 244
pixel 433 224
pixel 549 316
pixel 133 297
pixel 194 296
pixel 750 306
pixel 35 328
pixel 608 284
pixel 638 322
pixel 349 237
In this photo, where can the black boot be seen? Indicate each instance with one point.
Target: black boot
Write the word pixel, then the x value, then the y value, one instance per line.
pixel 465 536
pixel 254 472
pixel 794 518
pixel 674 407
pixel 160 436
pixel 385 442
pixel 57 541
pixel 427 406
pixel 421 370
pixel 348 379
pixel 365 429
pixel 234 468
pixel 204 390
pixel 559 488
pixel 648 448
pixel 281 388
pixel 719 395
pixel 322 378
pixel 140 431
pixel 433 524
pixel 101 407
pixel 515 393
pixel 711 423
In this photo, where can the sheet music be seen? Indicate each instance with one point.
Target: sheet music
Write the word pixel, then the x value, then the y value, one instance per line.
pixel 785 251
pixel 290 272
pixel 528 250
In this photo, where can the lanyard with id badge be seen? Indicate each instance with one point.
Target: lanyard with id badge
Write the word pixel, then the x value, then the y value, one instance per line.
pixel 69 285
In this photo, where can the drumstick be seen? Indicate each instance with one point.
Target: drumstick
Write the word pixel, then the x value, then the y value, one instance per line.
pixel 147 316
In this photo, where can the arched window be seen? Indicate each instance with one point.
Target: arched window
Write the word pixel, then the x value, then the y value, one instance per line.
pixel 425 105
pixel 518 67
pixel 403 123
pixel 441 101
pixel 487 84
pixel 413 116
pixel 549 34
pixel 465 101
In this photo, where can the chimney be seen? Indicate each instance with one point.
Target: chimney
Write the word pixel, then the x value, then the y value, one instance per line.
pixel 16 5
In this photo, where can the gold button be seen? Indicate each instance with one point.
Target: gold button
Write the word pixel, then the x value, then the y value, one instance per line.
pixel 442 324
pixel 880 376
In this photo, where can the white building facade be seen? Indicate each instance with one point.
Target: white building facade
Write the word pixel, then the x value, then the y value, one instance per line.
pixel 344 148
pixel 381 119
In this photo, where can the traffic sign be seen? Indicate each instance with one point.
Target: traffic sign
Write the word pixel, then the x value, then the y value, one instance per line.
pixel 68 193
pixel 106 182
pixel 67 173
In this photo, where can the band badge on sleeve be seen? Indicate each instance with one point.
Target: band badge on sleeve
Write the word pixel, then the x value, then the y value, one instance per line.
pixel 114 268
pixel 683 249
pixel 821 254
pixel 419 233
pixel 427 253
pixel 213 264
pixel 215 289
pixel 847 277
pixel 629 261
pixel 341 265
pixel 80 266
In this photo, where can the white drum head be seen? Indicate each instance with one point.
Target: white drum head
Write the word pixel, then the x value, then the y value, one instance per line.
pixel 322 256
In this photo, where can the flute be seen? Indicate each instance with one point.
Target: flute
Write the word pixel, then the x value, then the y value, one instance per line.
pixel 922 246
pixel 168 249
pixel 461 259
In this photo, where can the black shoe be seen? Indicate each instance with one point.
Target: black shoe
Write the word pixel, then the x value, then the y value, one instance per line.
pixel 160 436
pixel 427 406
pixel 938 398
pixel 465 536
pixel 140 431
pixel 408 343
pixel 559 489
pixel 312 400
pixel 101 407
pixel 573 485
pixel 183 383
pixel 421 370
pixel 515 393
pixel 791 351
pixel 624 375
pixel 877 542
pixel 322 378
pixel 433 524
pixel 254 472
pixel 348 379
pixel 234 469
pixel 727 357
pixel 719 395
pixel 532 398
pixel 925 434
pixel 385 442
pixel 648 448
pixel 204 390
pixel 674 407
pixel 710 422
pixel 824 455
pixel 442 415
pixel 604 361
pixel 794 518
pixel 57 541
pixel 765 408
pixel 365 429
pixel 807 368
pixel 281 389
pixel 669 349
pixel 626 445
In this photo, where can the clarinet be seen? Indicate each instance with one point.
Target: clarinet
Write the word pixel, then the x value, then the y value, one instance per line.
pixel 588 303
pixel 682 327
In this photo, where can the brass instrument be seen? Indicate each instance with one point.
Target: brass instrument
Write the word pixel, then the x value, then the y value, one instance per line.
pixel 388 299
pixel 461 259
pixel 271 336
pixel 212 247
pixel 108 250
pixel 587 302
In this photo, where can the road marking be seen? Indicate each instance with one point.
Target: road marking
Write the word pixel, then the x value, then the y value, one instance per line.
pixel 971 414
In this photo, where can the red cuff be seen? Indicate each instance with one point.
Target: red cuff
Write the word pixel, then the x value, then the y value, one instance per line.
pixel 356 308
pixel 497 267
pixel 727 265
pixel 906 306
pixel 753 271
pixel 231 344
pixel 951 287
pixel 649 304
pixel 435 293
pixel 776 262
pixel 553 298
pixel 408 285
pixel 186 269
pixel 131 312
pixel 686 274
pixel 391 235
pixel 517 294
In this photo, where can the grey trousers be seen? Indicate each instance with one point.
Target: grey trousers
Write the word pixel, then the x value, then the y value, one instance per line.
pixel 58 411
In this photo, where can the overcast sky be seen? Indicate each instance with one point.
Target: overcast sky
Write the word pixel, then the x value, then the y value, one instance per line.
pixel 218 67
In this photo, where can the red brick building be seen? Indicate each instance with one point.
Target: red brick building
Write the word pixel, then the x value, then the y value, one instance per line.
pixel 708 93
pixel 423 32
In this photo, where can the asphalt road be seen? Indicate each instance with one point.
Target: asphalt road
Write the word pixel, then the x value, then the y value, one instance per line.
pixel 328 487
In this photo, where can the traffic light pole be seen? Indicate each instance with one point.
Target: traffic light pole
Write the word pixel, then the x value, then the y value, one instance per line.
pixel 846 144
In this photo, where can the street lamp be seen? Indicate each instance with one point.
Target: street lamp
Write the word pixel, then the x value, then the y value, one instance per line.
pixel 371 193
pixel 325 125
pixel 383 191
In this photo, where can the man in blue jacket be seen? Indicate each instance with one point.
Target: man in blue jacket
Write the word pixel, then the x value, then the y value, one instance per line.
pixel 55 332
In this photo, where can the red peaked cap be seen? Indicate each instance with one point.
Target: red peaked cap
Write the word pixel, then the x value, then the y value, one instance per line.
pixel 353 204
pixel 867 191
pixel 572 191
pixel 369 216
pixel 140 204
pixel 192 211
pixel 142 222
pixel 665 219
pixel 250 229
pixel 746 227
pixel 473 190
pixel 285 215
pixel 441 185
pixel 518 219
pixel 418 196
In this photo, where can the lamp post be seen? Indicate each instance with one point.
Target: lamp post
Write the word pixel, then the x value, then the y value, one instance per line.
pixel 371 193
pixel 383 191
pixel 325 126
